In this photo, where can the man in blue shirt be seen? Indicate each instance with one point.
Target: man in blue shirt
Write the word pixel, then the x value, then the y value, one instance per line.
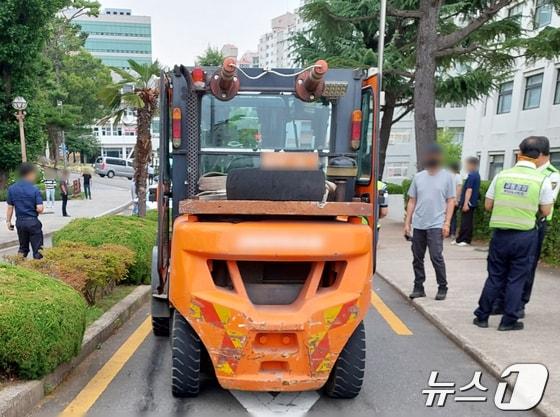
pixel 468 202
pixel 25 198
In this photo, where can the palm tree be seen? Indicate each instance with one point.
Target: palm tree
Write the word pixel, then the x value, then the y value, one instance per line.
pixel 136 90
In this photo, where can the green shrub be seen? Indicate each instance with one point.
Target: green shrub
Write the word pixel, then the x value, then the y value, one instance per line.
pixel 152 215
pixel 133 232
pixel 394 188
pixel 93 271
pixel 42 322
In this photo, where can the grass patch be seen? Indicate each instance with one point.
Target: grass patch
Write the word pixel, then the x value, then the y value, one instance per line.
pixel 106 302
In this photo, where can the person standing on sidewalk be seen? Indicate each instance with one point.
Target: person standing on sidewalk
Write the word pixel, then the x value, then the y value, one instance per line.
pixel 428 217
pixel 87 184
pixel 25 198
pixel 468 202
pixel 64 187
pixel 455 171
pixel 50 191
pixel 516 197
pixel 550 171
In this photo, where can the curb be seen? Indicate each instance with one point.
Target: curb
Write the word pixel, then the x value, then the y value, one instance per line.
pixel 19 399
pixel 115 210
pixel 543 408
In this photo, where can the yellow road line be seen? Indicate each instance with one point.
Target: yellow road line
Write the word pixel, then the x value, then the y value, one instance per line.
pixel 391 318
pixel 95 387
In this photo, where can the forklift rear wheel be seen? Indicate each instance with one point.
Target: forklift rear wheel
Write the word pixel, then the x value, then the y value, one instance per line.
pixel 347 375
pixel 186 349
pixel 160 326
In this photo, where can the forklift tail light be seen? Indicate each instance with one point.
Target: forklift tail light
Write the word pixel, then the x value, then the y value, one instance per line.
pixel 356 129
pixel 176 127
pixel 198 77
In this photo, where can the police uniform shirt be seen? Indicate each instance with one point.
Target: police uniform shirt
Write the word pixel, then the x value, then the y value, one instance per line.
pixel 25 197
pixel 546 193
pixel 554 179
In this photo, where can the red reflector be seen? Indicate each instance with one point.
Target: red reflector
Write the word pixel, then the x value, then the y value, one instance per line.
pixel 198 77
pixel 176 127
pixel 356 129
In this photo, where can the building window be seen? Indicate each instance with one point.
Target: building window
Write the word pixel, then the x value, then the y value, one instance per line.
pixel 397 169
pixel 533 88
pixel 398 137
pixel 543 13
pixel 555 158
pixel 504 97
pixel 516 12
pixel 557 91
pixel 495 166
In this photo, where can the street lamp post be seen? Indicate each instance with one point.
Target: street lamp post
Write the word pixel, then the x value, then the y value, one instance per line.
pixel 59 104
pixel 19 104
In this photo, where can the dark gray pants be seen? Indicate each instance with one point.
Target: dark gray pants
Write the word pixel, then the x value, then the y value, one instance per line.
pixel 30 232
pixel 433 240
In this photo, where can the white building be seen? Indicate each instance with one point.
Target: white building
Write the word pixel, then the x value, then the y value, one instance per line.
pixel 249 59
pixel 400 161
pixel 274 46
pixel 116 36
pixel 527 104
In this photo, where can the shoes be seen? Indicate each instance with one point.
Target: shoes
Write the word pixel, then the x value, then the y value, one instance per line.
pixel 441 294
pixel 462 244
pixel 417 293
pixel 66 215
pixel 480 323
pixel 453 242
pixel 518 325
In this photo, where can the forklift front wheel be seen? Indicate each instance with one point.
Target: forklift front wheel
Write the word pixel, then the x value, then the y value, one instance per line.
pixel 186 349
pixel 347 375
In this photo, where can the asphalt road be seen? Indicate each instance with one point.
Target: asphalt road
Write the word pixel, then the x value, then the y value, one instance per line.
pixel 398 368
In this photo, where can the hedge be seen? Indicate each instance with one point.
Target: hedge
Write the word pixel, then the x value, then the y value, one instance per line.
pixel 42 325
pixel 93 271
pixel 133 232
pixel 394 188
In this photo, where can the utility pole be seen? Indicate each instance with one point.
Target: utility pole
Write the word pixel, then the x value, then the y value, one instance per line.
pixel 59 104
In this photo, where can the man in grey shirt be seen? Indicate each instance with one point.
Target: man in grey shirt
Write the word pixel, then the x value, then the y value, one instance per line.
pixel 428 217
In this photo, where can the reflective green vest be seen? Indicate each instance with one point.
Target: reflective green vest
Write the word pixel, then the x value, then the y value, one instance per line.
pixel 516 198
pixel 548 171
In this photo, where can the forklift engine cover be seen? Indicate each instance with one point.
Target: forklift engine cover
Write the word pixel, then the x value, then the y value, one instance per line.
pixel 273 301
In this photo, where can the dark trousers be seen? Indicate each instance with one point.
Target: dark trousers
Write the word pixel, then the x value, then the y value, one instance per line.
pixel 510 261
pixel 432 239
pixel 64 204
pixel 30 232
pixel 467 227
pixel 453 226
pixel 528 288
pixel 87 190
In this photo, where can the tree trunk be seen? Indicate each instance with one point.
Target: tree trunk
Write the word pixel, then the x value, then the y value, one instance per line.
pixel 425 125
pixel 142 155
pixel 385 129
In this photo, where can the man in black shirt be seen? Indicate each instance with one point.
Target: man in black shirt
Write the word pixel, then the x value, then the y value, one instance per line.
pixel 87 184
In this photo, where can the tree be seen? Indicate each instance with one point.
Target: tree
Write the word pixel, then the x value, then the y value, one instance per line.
pixel 456 51
pixel 136 90
pixel 211 57
pixel 451 147
pixel 24 29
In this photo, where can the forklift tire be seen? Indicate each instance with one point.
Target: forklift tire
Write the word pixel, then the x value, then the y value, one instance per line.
pixel 347 375
pixel 186 351
pixel 160 326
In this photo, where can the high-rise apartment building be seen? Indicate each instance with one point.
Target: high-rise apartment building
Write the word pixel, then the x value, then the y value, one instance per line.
pixel 274 46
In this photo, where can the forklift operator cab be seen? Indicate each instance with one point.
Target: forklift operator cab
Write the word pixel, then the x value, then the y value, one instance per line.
pixel 263 268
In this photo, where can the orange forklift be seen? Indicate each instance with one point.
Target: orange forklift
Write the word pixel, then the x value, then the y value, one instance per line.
pixel 266 238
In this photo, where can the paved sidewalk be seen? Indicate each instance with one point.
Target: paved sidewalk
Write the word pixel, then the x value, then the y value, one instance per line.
pixel 107 194
pixel 539 342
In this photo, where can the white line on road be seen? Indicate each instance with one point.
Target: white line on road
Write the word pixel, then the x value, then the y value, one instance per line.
pixel 264 404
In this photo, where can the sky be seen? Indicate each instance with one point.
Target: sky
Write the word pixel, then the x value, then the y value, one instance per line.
pixel 182 29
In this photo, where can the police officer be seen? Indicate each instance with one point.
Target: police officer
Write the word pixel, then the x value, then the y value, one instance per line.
pixel 25 198
pixel 515 197
pixel 543 165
